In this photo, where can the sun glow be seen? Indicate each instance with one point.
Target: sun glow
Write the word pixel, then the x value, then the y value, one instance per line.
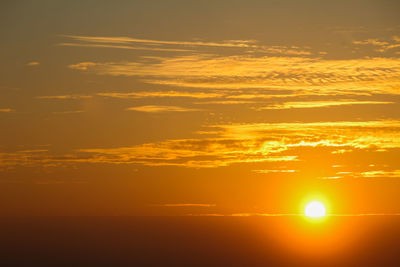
pixel 315 209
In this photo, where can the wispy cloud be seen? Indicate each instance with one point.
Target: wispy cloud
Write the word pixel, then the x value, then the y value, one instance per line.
pixel 32 64
pixel 193 153
pixel 65 97
pixel 249 46
pixel 30 157
pixel 249 214
pixel 160 109
pixel 124 47
pixel 6 110
pixel 284 50
pixel 257 95
pixel 184 205
pixel 383 134
pixel 375 42
pixel 380 45
pixel 274 171
pixel 226 102
pixel 381 173
pixel 365 174
pixel 320 104
pixel 128 40
pixel 148 94
pixel 238 143
pixel 68 112
pixel 83 65
pixel 297 74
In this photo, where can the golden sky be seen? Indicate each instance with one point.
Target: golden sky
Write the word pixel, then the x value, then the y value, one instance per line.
pixel 199 107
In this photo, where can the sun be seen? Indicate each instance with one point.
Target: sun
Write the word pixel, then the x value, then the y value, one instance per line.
pixel 315 209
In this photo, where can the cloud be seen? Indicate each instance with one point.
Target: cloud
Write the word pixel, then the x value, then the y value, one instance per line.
pixel 83 65
pixel 382 46
pixel 274 171
pixel 184 205
pixel 366 214
pixel 192 153
pixel 128 40
pixel 6 110
pixel 319 104
pixel 244 214
pixel 248 214
pixel 249 46
pixel 226 102
pixel 380 173
pixel 366 174
pixel 65 97
pixel 69 112
pixel 23 158
pixel 375 42
pixel 383 134
pixel 160 109
pixel 146 94
pixel 284 50
pixel 32 64
pixel 300 75
pixel 235 143
pixel 123 47
pixel 257 95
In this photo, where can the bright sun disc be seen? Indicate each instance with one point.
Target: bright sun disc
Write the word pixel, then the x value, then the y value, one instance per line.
pixel 315 209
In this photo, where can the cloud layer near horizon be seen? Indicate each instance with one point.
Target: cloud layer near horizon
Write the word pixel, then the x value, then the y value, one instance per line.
pixel 235 143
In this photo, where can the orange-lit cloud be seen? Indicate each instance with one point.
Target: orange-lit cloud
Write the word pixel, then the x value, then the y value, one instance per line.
pixel 237 143
pixel 371 42
pixel 381 173
pixel 188 153
pixel 366 174
pixel 248 214
pixel 274 171
pixel 257 95
pixel 339 135
pixel 123 47
pixel 6 110
pixel 23 158
pixel 68 112
pixel 320 104
pixel 160 109
pixel 33 63
pixel 298 74
pixel 250 46
pixel 147 94
pixel 226 102
pixel 284 50
pixel 64 97
pixel 184 205
pixel 381 46
pixel 196 153
pixel 127 40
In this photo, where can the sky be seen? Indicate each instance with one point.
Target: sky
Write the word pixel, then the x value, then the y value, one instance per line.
pixel 199 107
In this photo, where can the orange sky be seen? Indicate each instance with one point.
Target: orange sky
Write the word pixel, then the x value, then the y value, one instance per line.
pixel 199 107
